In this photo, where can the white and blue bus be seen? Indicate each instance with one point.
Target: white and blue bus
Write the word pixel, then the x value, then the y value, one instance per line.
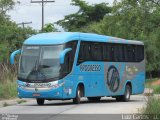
pixel 72 65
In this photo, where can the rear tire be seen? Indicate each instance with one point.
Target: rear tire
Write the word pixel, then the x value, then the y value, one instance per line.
pixel 40 101
pixel 126 96
pixel 77 99
pixel 94 99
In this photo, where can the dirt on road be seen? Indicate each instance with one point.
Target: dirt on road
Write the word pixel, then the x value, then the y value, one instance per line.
pixel 157 82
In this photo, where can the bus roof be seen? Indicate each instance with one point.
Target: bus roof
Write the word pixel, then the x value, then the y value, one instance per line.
pixel 63 37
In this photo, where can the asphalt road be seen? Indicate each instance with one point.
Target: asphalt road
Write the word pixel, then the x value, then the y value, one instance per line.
pixel 107 105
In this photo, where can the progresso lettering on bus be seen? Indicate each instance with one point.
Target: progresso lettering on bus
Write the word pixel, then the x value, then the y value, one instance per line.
pixel 90 68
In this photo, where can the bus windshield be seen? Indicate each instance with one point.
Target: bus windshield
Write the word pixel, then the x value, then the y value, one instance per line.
pixel 39 63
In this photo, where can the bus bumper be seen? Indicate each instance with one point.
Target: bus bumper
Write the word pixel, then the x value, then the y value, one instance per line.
pixel 51 93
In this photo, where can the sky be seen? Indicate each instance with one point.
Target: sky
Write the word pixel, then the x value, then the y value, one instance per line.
pixel 32 12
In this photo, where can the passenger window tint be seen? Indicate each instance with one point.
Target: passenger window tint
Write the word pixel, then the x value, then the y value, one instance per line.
pixel 130 53
pixel 96 51
pixel 84 53
pixel 110 52
pixel 139 53
pixel 69 58
pixel 90 51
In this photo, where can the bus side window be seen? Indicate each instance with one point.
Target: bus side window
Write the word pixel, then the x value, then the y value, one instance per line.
pixel 108 52
pixel 125 53
pixel 119 52
pixel 111 52
pixel 69 59
pixel 80 54
pixel 131 53
pixel 134 54
pixel 84 52
pixel 116 53
pixel 139 53
pixel 96 52
pixel 105 52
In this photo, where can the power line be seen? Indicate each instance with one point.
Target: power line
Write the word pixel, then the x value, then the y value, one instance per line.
pixel 42 2
pixel 28 5
pixel 24 23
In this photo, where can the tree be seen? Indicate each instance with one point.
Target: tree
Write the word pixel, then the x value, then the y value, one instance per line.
pixel 85 15
pixel 6 5
pixel 155 1
pixel 49 28
pixel 11 36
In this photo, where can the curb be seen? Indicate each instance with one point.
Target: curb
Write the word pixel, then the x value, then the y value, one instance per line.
pixel 14 101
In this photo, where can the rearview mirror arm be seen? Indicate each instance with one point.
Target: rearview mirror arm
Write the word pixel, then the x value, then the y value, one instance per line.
pixel 13 56
pixel 62 55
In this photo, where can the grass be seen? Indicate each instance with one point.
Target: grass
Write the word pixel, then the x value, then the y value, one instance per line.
pixel 153 102
pixel 8 90
pixel 152 108
pixel 8 86
pixel 156 88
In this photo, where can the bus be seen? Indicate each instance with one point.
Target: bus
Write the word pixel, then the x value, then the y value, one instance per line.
pixel 72 65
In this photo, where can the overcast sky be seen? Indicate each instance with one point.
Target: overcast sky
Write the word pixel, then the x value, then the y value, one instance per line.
pixel 27 12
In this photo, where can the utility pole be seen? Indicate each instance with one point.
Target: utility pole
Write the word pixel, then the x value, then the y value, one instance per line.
pixel 24 23
pixel 42 2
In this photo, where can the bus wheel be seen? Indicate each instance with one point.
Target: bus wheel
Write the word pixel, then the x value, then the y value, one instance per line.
pixel 40 101
pixel 77 99
pixel 94 99
pixel 126 96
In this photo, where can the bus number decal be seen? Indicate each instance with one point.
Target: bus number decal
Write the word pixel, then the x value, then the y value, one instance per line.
pixel 89 68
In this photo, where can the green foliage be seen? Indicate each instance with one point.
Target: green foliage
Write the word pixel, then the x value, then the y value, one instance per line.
pixel 8 86
pixel 152 106
pixel 11 36
pixel 49 28
pixel 6 5
pixel 8 90
pixel 156 89
pixel 86 15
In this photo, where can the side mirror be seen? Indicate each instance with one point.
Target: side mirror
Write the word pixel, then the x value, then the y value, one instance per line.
pixel 13 56
pixel 63 53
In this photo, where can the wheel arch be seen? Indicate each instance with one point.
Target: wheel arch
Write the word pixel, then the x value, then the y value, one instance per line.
pixel 82 86
pixel 130 84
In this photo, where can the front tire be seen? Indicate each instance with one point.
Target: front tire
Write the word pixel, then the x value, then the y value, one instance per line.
pixel 126 96
pixel 40 101
pixel 77 99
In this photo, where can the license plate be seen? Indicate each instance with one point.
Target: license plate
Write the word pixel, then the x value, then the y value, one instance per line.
pixel 36 95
